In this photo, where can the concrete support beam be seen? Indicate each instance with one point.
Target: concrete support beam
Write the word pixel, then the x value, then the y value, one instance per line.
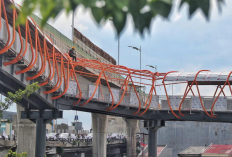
pixel 26 134
pixel 41 114
pixel 99 122
pixel 34 139
pixel 131 128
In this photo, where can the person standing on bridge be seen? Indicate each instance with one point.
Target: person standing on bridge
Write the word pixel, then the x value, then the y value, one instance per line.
pixel 72 53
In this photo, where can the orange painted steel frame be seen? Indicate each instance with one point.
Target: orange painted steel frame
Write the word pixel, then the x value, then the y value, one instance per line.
pixel 60 65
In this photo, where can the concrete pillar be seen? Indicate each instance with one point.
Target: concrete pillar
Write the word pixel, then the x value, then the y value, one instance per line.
pixel 153 127
pixel 152 142
pixel 40 137
pixel 131 127
pixel 26 133
pixel 99 122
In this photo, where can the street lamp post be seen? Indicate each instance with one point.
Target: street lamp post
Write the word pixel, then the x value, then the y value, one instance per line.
pixel 73 27
pixel 154 67
pixel 118 47
pixel 139 49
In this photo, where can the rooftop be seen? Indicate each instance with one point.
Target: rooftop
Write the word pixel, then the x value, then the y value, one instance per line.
pixel 219 149
pixel 159 151
pixel 193 150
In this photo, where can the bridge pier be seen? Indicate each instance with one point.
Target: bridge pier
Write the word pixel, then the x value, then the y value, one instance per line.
pixel 26 134
pixel 131 127
pixel 41 118
pixel 40 137
pixel 153 127
pixel 99 122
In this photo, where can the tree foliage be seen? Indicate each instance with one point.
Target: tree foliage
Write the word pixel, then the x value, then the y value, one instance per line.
pixel 14 154
pixel 14 98
pixel 142 11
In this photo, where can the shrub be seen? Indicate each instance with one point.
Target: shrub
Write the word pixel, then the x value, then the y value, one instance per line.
pixel 14 154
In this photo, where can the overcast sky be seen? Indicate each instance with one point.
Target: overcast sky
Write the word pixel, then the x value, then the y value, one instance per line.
pixel 179 44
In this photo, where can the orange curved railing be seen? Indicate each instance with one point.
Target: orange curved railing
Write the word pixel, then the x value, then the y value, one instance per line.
pixel 61 67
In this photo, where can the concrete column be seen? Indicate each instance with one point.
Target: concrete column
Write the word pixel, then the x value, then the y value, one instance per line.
pixel 99 122
pixel 152 142
pixel 131 128
pixel 40 137
pixel 26 133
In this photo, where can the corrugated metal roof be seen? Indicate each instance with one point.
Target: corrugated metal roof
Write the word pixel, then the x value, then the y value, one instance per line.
pixel 219 149
pixel 193 150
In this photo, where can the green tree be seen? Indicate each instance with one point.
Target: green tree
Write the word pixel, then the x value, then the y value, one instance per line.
pixel 14 98
pixel 142 11
pixel 14 154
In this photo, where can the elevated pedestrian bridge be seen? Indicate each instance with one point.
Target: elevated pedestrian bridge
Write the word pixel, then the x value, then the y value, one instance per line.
pixel 28 55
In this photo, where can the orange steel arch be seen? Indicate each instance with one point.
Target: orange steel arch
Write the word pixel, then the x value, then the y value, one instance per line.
pixel 167 94
pixel 227 82
pixel 34 54
pixel 19 57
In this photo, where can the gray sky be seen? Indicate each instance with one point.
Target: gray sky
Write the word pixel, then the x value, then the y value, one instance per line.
pixel 179 44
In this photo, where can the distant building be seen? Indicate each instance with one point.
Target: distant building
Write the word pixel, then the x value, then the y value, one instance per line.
pixel 6 122
pixel 8 115
pixel 6 126
pixel 218 151
pixel 181 135
pixel 193 151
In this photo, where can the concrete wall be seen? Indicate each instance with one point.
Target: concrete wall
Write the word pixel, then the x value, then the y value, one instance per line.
pixel 181 135
pixel 167 152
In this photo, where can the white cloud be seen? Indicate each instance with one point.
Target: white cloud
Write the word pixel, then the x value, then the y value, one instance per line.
pixel 81 27
pixel 177 17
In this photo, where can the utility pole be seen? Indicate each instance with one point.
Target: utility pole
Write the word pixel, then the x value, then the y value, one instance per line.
pixel 118 47
pixel 73 27
pixel 140 50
